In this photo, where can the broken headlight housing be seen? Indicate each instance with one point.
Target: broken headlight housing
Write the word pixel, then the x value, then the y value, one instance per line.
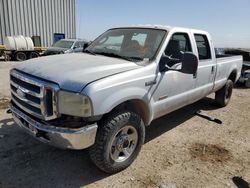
pixel 74 104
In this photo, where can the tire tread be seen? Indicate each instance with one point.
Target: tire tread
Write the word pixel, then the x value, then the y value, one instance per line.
pixel 105 127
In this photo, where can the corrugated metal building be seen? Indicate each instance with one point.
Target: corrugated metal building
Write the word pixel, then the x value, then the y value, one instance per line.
pixel 44 18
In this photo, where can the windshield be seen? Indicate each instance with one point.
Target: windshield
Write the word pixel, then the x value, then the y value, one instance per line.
pixel 63 44
pixel 129 43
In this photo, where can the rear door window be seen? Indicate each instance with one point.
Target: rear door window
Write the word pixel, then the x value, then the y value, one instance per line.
pixel 203 46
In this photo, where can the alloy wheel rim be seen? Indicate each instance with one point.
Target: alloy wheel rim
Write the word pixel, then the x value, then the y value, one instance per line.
pixel 123 143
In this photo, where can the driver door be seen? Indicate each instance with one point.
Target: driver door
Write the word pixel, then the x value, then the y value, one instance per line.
pixel 77 47
pixel 174 89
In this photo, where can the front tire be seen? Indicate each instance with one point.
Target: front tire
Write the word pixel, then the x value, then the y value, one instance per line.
pixel 20 56
pixel 33 55
pixel 118 142
pixel 223 96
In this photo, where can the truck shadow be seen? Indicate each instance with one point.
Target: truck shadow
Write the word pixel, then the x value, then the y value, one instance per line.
pixel 26 162
pixel 172 120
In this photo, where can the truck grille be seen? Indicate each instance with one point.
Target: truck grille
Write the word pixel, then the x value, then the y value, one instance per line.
pixel 34 96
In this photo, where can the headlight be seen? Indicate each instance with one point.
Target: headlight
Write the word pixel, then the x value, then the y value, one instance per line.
pixel 67 51
pixel 74 104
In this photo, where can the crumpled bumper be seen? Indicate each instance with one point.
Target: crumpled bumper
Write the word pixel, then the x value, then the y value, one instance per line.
pixel 66 138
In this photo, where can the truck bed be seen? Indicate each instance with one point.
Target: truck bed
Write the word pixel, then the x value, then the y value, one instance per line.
pixel 226 64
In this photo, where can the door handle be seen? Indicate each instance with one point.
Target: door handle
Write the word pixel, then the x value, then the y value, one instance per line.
pixel 212 69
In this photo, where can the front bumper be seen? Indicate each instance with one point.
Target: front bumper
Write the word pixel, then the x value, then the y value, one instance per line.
pixel 66 138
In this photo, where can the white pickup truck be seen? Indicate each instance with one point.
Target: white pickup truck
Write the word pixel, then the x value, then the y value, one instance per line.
pixel 104 97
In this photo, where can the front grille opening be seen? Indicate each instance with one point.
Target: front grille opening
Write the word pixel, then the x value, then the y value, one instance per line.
pixel 25 85
pixel 33 99
pixel 38 92
pixel 27 96
pixel 27 106
pixel 49 102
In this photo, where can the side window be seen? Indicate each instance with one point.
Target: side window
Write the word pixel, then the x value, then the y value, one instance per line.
pixel 203 46
pixel 77 45
pixel 179 43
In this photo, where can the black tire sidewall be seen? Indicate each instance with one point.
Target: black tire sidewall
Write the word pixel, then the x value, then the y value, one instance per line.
pixel 139 126
pixel 220 96
pixel 108 128
pixel 33 55
pixel 228 88
pixel 17 56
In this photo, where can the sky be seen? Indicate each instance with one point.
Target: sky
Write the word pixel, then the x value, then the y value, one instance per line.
pixel 228 21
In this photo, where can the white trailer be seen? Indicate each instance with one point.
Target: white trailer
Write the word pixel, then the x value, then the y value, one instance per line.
pixel 20 48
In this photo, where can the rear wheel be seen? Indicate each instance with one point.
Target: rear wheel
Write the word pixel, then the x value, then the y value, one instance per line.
pixel 247 84
pixel 223 96
pixel 247 75
pixel 118 142
pixel 33 55
pixel 20 56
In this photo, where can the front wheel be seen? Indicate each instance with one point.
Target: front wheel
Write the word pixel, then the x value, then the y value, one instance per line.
pixel 33 55
pixel 223 96
pixel 118 142
pixel 20 56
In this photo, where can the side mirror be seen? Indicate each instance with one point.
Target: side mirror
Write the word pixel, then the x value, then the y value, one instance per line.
pixel 74 47
pixel 166 62
pixel 85 45
pixel 189 63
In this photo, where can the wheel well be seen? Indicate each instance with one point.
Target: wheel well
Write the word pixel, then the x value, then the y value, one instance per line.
pixel 233 76
pixel 137 106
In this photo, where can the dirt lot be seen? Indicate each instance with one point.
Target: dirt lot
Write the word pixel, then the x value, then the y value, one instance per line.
pixel 4 77
pixel 181 149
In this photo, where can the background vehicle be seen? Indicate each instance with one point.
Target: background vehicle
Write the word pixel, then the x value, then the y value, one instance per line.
pixel 103 98
pixel 20 48
pixel 245 72
pixel 66 46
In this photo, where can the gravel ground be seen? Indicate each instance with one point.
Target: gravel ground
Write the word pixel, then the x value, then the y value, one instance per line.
pixel 181 150
pixel 5 67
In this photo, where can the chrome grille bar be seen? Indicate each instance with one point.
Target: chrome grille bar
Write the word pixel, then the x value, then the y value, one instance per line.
pixel 26 109
pixel 32 94
pixel 20 76
pixel 25 100
pixel 26 90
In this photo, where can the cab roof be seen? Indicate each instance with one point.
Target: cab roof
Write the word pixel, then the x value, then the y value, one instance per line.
pixel 162 27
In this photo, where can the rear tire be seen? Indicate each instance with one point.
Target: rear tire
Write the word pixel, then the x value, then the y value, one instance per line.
pixel 118 141
pixel 33 55
pixel 223 96
pixel 20 56
pixel 247 75
pixel 247 83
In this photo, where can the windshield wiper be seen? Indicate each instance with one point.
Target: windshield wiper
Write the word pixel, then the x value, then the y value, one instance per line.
pixel 119 56
pixel 89 52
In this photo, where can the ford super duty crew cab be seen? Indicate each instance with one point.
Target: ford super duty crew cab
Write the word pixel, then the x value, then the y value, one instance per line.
pixel 103 98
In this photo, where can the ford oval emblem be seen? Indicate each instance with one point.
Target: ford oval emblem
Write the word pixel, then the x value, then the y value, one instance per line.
pixel 20 93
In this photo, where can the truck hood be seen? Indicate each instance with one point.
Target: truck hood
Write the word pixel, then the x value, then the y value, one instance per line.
pixel 73 72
